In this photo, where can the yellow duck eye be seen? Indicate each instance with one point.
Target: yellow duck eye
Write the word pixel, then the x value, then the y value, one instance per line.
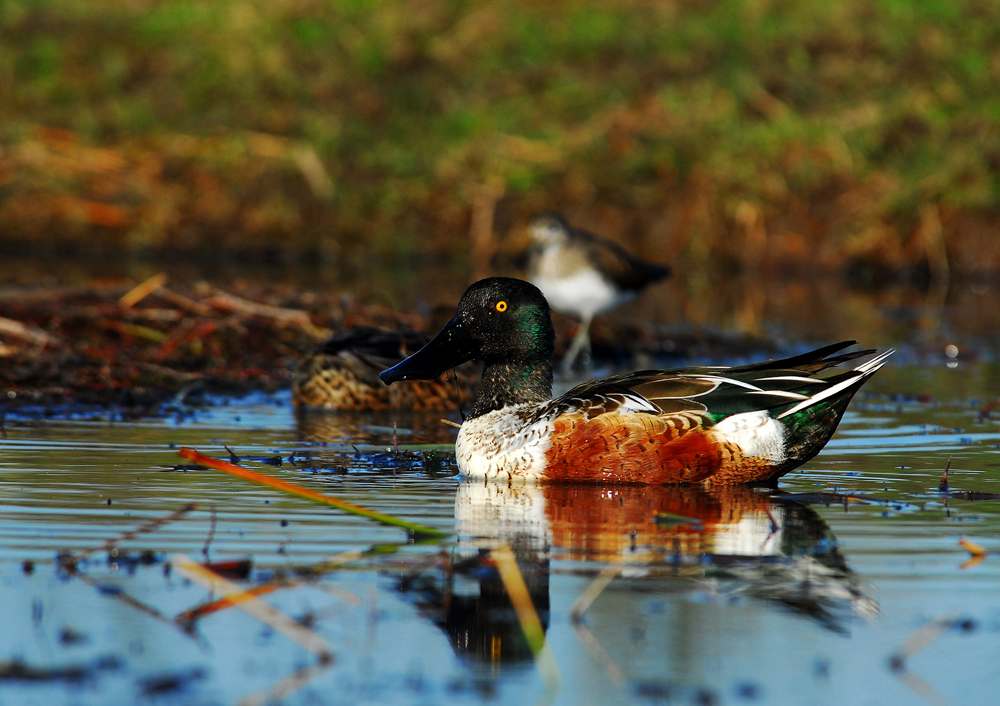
pixel 501 307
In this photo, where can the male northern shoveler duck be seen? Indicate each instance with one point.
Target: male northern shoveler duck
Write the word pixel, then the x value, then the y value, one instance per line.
pixel 342 374
pixel 583 275
pixel 748 424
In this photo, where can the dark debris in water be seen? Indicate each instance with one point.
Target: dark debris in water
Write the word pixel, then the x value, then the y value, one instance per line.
pixel 661 691
pixel 431 462
pixel 426 461
pixel 70 636
pixel 185 467
pixel 655 690
pixel 748 691
pixel 971 495
pixel 170 682
pixel 826 499
pixel 133 560
pixel 19 671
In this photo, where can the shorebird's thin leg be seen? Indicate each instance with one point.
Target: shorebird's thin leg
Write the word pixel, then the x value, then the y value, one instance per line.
pixel 581 339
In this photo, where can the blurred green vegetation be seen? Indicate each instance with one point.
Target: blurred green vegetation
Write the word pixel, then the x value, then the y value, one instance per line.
pixel 745 131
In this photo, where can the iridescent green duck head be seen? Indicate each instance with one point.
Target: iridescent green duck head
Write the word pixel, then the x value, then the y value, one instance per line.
pixel 504 322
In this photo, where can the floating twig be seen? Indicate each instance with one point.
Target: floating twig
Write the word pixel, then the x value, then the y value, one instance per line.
pixel 976 551
pixel 973 548
pixel 984 413
pixel 943 487
pixel 301 492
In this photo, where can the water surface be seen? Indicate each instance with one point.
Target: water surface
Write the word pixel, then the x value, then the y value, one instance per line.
pixel 733 596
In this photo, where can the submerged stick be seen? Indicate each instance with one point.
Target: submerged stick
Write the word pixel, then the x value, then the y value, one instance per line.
pixel 188 617
pixel 527 616
pixel 586 638
pixel 349 597
pixel 597 651
pixel 921 638
pixel 134 603
pixel 301 492
pixel 69 560
pixel 596 588
pixel 256 608
pixel 285 687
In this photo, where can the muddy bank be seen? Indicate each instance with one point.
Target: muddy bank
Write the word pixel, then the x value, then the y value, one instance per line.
pixel 136 346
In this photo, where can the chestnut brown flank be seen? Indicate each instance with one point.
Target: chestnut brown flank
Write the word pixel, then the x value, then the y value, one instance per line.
pixel 632 448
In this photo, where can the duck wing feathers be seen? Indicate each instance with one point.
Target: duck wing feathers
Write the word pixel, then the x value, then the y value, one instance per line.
pixel 779 387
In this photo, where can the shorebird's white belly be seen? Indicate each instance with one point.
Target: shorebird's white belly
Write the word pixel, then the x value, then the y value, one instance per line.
pixel 582 293
pixel 501 445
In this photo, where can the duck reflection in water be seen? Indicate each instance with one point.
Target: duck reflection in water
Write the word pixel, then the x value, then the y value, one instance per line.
pixel 732 538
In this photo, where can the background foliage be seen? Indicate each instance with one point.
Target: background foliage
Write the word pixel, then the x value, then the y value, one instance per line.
pixel 759 133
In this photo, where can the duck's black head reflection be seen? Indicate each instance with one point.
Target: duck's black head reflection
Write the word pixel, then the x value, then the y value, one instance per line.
pixel 744 541
pixel 468 600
